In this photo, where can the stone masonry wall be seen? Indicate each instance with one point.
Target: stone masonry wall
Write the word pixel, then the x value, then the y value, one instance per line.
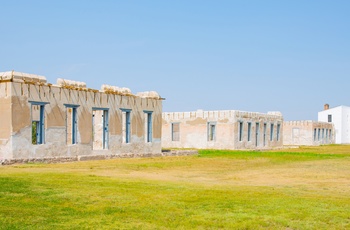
pixel 308 133
pixel 20 99
pixel 194 130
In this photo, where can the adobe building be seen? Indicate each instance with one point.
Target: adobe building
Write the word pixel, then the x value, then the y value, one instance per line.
pixel 42 120
pixel 229 129
pixel 308 133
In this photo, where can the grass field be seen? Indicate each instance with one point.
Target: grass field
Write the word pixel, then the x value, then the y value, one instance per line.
pixel 303 188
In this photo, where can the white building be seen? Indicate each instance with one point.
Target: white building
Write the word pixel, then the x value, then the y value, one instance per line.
pixel 340 116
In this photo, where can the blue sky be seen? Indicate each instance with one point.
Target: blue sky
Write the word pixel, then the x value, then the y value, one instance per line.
pixel 291 56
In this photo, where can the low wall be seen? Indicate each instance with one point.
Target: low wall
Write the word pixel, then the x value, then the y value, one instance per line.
pixel 50 160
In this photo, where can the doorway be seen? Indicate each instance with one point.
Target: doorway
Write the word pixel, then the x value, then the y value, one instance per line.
pixel 100 129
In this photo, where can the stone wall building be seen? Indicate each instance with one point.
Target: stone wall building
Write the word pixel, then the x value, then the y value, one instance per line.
pixel 39 119
pixel 308 133
pixel 222 130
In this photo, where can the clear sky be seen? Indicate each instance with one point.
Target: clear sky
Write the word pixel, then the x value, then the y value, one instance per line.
pixel 291 56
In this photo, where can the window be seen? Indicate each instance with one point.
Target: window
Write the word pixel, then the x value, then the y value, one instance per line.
pixel 271 132
pixel 211 131
pixel 319 134
pixel 100 128
pixel 175 131
pixel 148 126
pixel 264 134
pixel 126 126
pixel 36 133
pixel 249 131
pixel 278 131
pixel 257 127
pixel 330 135
pixel 315 132
pixel 327 135
pixel 329 117
pixel 240 128
pixel 322 134
pixel 71 124
pixel 38 122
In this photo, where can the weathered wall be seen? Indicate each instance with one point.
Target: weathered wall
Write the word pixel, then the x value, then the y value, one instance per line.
pixel 261 137
pixel 17 115
pixel 193 130
pixel 308 133
pixel 5 120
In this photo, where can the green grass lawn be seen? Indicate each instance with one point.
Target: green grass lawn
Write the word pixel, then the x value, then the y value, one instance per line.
pixel 303 188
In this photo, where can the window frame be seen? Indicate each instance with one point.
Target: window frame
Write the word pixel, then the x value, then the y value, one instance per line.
pixel 315 134
pixel 105 125
pixel 265 130
pixel 211 131
pixel 249 131
pixel 148 126
pixel 240 131
pixel 173 136
pixel 278 131
pixel 127 125
pixel 74 123
pixel 330 118
pixel 39 134
pixel 272 126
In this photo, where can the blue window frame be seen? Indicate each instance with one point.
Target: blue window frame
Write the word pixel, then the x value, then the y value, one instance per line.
pixel 126 125
pixel 148 125
pixel 71 123
pixel 105 129
pixel 38 122
pixel 127 130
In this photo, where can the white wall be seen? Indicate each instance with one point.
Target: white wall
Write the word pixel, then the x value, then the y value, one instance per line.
pixel 341 121
pixel 346 125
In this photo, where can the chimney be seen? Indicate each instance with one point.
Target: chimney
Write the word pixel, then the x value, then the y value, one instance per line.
pixel 326 107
